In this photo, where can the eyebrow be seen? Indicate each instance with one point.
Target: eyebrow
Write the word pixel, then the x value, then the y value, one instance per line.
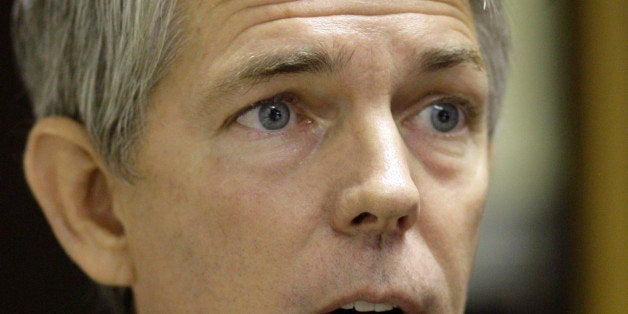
pixel 438 59
pixel 265 66
pixel 262 67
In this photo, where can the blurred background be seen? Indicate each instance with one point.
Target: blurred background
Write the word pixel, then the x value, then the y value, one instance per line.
pixel 555 229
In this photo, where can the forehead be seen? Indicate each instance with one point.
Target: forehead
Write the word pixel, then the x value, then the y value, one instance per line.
pixel 227 19
pixel 357 6
pixel 229 31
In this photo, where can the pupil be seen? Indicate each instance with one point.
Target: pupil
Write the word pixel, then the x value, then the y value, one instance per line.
pixel 444 116
pixel 274 114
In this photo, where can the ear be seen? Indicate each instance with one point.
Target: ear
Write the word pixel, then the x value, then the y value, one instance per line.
pixel 73 188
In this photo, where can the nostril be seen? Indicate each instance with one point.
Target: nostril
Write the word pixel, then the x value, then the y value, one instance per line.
pixel 403 222
pixel 364 218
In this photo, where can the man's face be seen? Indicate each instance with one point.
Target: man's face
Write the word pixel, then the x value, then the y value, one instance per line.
pixel 304 155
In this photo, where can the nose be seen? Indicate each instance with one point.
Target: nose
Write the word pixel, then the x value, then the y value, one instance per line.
pixel 381 197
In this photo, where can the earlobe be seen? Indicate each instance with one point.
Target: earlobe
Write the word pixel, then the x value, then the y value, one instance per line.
pixel 73 188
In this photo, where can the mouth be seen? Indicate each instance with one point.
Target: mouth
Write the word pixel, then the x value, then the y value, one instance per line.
pixel 364 303
pixel 367 307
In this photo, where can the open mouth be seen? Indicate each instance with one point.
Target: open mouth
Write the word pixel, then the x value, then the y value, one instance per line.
pixel 366 307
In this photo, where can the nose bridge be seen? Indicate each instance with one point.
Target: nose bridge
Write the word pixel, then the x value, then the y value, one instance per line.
pixel 380 146
pixel 382 197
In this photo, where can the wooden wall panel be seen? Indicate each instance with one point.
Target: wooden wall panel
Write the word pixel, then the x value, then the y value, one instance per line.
pixel 601 77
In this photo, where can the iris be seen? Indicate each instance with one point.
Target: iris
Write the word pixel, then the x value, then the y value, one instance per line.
pixel 274 115
pixel 444 117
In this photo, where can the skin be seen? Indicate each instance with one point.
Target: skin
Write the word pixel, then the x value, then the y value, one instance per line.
pixel 229 218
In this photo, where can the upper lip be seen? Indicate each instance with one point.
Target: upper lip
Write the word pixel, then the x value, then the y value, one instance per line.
pixel 402 301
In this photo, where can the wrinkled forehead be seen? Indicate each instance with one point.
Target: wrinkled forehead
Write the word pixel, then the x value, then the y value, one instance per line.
pixel 236 14
pixel 323 4
pixel 217 24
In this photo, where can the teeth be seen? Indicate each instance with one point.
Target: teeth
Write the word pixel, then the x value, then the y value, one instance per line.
pixel 363 306
pixel 347 306
pixel 383 307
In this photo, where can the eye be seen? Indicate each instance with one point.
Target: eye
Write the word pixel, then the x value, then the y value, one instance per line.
pixel 443 116
pixel 269 114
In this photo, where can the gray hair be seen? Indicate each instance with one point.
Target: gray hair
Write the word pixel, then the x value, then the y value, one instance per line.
pixel 97 61
pixel 494 37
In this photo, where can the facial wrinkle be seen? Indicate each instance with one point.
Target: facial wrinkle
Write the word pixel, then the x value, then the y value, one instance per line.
pixel 266 13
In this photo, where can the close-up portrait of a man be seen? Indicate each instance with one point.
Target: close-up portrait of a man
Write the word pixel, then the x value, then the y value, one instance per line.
pixel 265 156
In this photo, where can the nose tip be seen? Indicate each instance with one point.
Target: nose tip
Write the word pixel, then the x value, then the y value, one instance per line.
pixel 376 209
pixel 376 192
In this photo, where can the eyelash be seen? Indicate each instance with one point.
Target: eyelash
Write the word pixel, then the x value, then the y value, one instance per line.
pixel 232 119
pixel 470 110
pixel 287 97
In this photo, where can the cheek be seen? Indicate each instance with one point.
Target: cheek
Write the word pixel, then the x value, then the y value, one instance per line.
pixel 451 212
pixel 452 218
pixel 232 224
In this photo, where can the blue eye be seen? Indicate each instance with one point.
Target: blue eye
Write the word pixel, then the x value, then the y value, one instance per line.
pixel 444 117
pixel 270 114
pixel 273 115
pixel 441 116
